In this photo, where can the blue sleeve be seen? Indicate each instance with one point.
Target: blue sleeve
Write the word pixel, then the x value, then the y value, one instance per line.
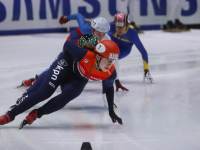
pixel 135 40
pixel 112 28
pixel 85 27
pixel 109 88
pixel 74 50
pixel 74 36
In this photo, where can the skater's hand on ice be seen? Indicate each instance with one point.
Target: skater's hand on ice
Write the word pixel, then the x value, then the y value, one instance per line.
pixel 114 117
pixel 147 77
pixel 118 85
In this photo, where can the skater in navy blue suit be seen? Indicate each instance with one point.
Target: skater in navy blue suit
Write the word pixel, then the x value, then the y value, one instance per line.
pixel 71 70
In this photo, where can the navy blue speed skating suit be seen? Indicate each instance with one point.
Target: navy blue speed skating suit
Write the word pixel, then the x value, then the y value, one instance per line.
pixel 70 71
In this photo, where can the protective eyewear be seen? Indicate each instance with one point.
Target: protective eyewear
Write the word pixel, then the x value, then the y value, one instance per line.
pixel 109 61
pixel 119 27
pixel 100 33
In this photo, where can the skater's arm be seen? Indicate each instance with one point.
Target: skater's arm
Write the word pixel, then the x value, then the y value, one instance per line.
pixel 74 50
pixel 74 36
pixel 84 26
pixel 112 28
pixel 135 40
pixel 110 97
pixel 109 88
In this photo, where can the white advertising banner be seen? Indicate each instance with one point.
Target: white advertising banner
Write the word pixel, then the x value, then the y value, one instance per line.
pixel 34 15
pixel 154 12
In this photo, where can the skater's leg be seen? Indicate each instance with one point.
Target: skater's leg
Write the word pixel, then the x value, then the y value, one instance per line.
pixel 70 90
pixel 47 88
pixel 37 84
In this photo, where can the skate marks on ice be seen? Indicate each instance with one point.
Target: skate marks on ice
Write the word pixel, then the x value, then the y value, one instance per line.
pixel 24 68
pixel 160 116
pixel 162 62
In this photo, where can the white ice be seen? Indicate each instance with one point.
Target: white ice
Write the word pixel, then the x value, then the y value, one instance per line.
pixel 162 116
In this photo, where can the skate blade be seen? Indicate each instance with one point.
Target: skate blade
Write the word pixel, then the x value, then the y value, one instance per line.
pixel 11 107
pixel 172 30
pixel 115 106
pixel 26 89
pixel 23 123
pixel 18 86
pixel 22 86
pixel 185 29
pixel 140 31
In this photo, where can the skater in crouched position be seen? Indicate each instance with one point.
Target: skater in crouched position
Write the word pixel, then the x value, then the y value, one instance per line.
pixel 71 70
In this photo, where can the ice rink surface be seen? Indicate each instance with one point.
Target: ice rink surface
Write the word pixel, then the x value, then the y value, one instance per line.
pixel 162 116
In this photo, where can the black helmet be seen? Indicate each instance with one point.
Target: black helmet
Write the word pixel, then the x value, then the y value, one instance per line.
pixel 88 38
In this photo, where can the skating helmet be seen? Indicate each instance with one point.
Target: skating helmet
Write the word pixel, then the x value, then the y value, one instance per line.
pixel 100 24
pixel 121 19
pixel 88 39
pixel 107 49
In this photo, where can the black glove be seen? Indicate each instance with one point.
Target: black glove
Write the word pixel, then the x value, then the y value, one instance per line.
pixel 147 76
pixel 118 85
pixel 63 19
pixel 114 117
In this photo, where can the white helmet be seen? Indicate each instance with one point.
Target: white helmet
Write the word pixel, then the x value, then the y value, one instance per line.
pixel 100 24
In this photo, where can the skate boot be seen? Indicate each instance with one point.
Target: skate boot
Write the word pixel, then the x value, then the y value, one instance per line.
pixel 118 85
pixel 181 26
pixel 28 82
pixel 32 116
pixel 170 27
pixel 5 119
